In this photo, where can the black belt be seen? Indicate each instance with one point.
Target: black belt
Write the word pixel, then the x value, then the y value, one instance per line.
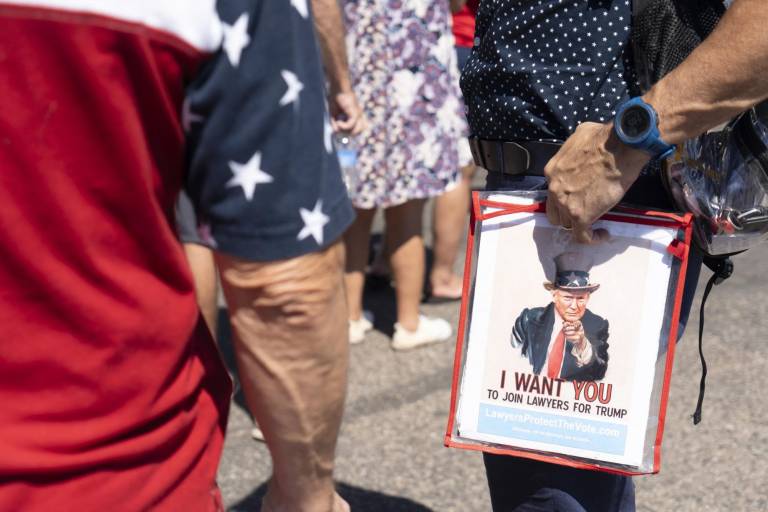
pixel 513 157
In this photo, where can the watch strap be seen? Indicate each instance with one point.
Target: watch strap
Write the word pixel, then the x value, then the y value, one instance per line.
pixel 652 142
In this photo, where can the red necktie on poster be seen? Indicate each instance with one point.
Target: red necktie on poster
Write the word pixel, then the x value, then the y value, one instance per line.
pixel 556 356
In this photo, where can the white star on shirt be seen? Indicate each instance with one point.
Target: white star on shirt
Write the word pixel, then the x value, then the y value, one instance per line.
pixel 187 116
pixel 236 38
pixel 301 6
pixel 294 88
pixel 314 221
pixel 248 175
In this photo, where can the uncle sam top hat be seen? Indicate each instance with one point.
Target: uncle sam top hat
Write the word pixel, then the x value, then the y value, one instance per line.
pixel 572 273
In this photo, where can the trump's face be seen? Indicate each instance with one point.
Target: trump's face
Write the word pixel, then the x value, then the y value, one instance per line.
pixel 570 305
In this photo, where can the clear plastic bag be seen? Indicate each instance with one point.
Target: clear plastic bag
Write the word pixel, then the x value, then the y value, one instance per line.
pixel 721 178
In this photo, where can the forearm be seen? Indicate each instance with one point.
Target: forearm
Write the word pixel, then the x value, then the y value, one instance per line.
pixel 330 33
pixel 725 75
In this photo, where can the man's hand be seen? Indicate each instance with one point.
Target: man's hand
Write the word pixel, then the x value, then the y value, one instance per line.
pixel 574 332
pixel 346 113
pixel 582 349
pixel 589 176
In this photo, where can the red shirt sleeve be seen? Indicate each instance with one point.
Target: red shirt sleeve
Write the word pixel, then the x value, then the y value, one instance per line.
pixel 464 24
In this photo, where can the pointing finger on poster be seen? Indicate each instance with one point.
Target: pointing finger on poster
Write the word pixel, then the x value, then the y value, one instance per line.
pixel 573 330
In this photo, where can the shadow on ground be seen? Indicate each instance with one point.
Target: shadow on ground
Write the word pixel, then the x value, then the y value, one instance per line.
pixel 359 500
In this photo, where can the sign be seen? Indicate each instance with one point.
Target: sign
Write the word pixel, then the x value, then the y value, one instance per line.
pixel 562 352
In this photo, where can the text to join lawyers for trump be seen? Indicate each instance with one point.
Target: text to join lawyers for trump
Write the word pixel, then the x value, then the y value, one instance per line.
pixel 549 393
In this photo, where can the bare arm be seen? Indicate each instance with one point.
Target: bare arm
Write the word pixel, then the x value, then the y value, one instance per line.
pixel 725 75
pixel 346 114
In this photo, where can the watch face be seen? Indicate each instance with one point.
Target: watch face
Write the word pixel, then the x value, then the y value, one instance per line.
pixel 635 121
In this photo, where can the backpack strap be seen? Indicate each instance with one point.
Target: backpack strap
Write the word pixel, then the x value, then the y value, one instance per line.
pixel 665 32
pixel 722 268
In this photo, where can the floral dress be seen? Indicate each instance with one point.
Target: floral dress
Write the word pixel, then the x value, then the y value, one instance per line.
pixel 403 66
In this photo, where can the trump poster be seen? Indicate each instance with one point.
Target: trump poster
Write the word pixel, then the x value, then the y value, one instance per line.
pixel 563 351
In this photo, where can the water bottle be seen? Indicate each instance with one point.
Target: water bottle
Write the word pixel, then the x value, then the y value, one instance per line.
pixel 346 150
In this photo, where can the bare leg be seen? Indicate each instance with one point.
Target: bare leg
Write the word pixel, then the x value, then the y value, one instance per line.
pixel 449 221
pixel 203 267
pixel 356 241
pixel 289 322
pixel 406 247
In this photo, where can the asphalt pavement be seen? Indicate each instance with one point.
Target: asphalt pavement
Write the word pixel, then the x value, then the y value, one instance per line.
pixel 391 455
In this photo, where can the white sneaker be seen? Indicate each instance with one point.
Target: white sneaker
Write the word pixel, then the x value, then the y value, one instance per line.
pixel 430 330
pixel 358 328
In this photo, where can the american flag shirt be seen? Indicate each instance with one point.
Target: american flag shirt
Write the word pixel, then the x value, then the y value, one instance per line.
pixel 113 393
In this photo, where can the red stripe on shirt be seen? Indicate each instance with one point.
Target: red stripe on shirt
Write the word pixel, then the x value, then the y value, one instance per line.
pixel 113 394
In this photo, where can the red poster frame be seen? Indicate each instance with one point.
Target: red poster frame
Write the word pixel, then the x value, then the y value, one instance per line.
pixel 680 249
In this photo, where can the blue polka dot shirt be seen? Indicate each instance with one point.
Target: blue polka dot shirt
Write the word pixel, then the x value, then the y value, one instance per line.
pixel 540 67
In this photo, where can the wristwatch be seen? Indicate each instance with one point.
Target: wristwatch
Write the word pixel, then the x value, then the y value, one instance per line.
pixel 637 125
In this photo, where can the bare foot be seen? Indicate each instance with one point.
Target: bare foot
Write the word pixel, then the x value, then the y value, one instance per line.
pixel 447 288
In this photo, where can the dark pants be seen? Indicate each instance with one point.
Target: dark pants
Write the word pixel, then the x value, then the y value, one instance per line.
pixel 522 485
pixel 462 55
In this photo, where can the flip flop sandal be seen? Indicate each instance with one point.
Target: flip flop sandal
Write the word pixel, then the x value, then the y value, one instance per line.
pixel 429 298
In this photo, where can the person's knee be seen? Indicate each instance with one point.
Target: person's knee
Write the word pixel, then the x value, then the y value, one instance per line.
pixel 300 292
pixel 313 292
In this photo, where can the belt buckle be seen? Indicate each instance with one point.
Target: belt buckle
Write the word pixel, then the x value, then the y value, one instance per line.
pixel 517 161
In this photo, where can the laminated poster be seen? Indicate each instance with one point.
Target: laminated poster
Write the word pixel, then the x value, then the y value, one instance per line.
pixel 564 341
